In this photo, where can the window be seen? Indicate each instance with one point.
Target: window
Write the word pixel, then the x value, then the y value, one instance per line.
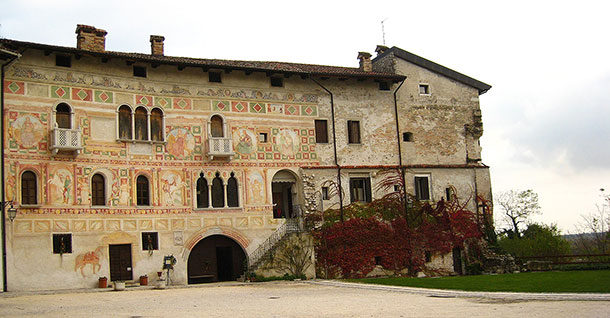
pixel 407 137
pixel 424 89
pixel 124 122
pixel 203 201
pixel 216 126
pixel 214 77
pixel 141 123
pixel 62 243
pixel 448 193
pixel 360 189
pixel 422 188
pixel 325 195
pixel 384 86
pixel 428 256
pixel 150 241
pixel 139 71
pixel 218 193
pixel 98 190
pixel 156 125
pixel 29 193
pixel 63 60
pixel 353 131
pixel 232 192
pixel 63 116
pixel 277 81
pixel 321 131
pixel 396 188
pixel 263 137
pixel 142 191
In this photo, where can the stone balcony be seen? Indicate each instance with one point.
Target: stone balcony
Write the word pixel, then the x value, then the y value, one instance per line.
pixel 66 140
pixel 220 147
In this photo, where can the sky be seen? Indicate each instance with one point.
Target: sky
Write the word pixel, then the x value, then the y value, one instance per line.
pixel 546 118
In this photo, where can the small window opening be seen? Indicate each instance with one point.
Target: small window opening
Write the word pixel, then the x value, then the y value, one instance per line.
pixel 396 188
pixel 150 241
pixel 384 86
pixel 262 137
pixel 377 260
pixel 63 60
pixel 428 256
pixel 407 137
pixel 353 131
pixel 422 188
pixel 448 193
pixel 139 71
pixel 62 243
pixel 277 81
pixel 321 127
pixel 214 77
pixel 424 89
pixel 325 195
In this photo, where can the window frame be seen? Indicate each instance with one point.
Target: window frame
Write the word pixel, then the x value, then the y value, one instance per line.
pixel 417 190
pixel 140 71
pixel 69 114
pixel 232 197
pixel 205 195
pixel 276 81
pixel 218 178
pixel 128 118
pixel 57 237
pixel 366 189
pixel 155 241
pixel 407 136
pixel 321 137
pixel 426 88
pixel 212 77
pixel 34 188
pixel 351 134
pixel 63 60
pixel 139 198
pixel 93 200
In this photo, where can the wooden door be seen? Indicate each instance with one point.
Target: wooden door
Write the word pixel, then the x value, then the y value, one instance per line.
pixel 120 262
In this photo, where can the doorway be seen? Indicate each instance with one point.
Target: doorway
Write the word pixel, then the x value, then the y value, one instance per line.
pixel 457 260
pixel 120 262
pixel 283 192
pixel 215 258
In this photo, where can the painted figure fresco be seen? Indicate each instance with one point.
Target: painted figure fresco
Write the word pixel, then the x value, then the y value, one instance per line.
pixel 256 187
pixel 180 143
pixel 60 185
pixel 288 142
pixel 92 258
pixel 27 130
pixel 172 187
pixel 244 141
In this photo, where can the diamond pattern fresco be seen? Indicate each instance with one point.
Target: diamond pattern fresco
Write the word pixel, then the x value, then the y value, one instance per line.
pixel 62 92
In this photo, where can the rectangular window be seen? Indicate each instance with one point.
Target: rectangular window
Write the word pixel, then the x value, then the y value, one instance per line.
pixel 424 89
pixel 384 86
pixel 139 71
pixel 325 193
pixel 448 194
pixel 263 137
pixel 277 81
pixel 63 60
pixel 360 189
pixel 150 241
pixel 321 131
pixel 353 131
pixel 422 188
pixel 214 77
pixel 62 243
pixel 407 137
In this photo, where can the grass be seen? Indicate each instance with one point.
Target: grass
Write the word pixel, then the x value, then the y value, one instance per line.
pixel 536 282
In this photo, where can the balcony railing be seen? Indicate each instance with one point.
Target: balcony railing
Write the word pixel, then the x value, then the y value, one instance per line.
pixel 220 147
pixel 66 139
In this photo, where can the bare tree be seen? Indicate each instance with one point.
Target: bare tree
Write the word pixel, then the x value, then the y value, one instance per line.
pixel 517 207
pixel 594 229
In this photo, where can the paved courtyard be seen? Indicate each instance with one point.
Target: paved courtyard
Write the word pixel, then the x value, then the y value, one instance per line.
pixel 287 299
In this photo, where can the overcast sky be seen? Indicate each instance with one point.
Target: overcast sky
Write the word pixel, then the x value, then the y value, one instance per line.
pixel 545 118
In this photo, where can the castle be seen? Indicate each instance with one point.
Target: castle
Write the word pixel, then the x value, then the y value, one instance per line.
pixel 116 160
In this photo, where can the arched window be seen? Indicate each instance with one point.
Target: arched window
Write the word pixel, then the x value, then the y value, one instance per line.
pixel 232 193
pixel 216 126
pixel 98 190
pixel 202 192
pixel 125 122
pixel 141 123
pixel 63 116
pixel 142 191
pixel 218 193
pixel 156 125
pixel 29 193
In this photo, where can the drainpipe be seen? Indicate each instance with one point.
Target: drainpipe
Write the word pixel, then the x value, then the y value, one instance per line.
pixel 3 218
pixel 402 168
pixel 332 111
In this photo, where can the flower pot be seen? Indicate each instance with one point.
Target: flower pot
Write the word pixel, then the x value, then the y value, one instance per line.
pixel 103 282
pixel 143 280
pixel 119 285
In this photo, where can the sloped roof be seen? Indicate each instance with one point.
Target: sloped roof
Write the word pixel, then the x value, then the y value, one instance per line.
pixel 437 68
pixel 253 66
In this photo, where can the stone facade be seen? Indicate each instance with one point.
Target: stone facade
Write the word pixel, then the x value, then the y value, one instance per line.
pixel 153 166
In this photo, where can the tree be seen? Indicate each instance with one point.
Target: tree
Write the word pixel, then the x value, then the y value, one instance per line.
pixel 537 240
pixel 594 229
pixel 517 207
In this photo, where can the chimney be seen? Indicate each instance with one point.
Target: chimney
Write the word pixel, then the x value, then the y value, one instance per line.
pixel 380 49
pixel 156 44
pixel 365 61
pixel 91 39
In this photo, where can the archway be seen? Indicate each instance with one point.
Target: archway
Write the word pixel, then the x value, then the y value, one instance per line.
pixel 215 258
pixel 283 189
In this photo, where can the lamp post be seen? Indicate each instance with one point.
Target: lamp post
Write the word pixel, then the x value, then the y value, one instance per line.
pixel 11 211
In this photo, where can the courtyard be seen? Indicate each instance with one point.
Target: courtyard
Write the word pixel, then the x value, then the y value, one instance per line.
pixel 294 299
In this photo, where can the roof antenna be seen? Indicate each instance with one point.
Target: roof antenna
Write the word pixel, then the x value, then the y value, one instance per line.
pixel 383 30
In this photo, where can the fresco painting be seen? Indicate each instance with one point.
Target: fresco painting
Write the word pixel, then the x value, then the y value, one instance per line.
pixel 27 130
pixel 244 141
pixel 180 143
pixel 256 187
pixel 288 142
pixel 60 185
pixel 172 188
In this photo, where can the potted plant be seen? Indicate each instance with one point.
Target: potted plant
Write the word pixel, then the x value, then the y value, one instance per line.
pixel 143 280
pixel 103 282
pixel 119 285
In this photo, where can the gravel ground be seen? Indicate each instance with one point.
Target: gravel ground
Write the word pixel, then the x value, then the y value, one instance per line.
pixel 283 299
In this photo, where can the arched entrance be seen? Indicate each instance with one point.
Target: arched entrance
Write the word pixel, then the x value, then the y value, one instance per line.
pixel 215 258
pixel 283 189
